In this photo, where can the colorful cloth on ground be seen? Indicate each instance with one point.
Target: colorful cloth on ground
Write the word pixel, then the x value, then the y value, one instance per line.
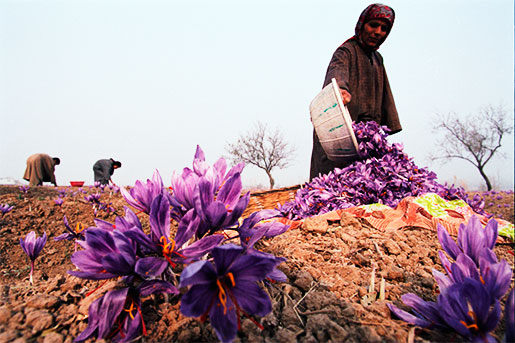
pixel 426 211
pixel 40 168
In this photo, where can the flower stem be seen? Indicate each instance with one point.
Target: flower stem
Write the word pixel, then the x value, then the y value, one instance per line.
pixel 31 271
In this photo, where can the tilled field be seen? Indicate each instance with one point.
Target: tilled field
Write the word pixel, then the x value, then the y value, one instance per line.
pixel 330 266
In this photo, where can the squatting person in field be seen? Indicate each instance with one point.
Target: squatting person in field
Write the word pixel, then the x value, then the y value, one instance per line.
pixel 104 169
pixel 41 168
pixel 358 69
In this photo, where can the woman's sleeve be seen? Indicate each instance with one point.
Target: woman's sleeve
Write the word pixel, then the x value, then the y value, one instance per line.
pixel 389 117
pixel 339 68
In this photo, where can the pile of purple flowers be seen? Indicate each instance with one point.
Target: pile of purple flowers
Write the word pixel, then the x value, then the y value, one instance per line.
pixel 382 174
pixel 221 280
pixel 471 288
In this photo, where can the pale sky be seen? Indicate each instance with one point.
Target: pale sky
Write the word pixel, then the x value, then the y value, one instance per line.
pixel 144 82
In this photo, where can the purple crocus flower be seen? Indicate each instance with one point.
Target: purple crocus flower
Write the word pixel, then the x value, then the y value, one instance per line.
pixel 256 226
pixel 467 308
pixel 77 234
pixel 221 210
pixel 24 189
pixel 426 312
pixel 509 317
pixel 4 208
pixel 106 255
pixel 117 314
pixel 472 239
pixel 495 275
pixel 141 195
pixel 114 188
pixel 93 198
pixel 170 250
pixel 32 246
pixel 226 289
pixel 59 201
pixel 184 185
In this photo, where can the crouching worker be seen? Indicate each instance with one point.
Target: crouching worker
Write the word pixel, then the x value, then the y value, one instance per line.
pixel 104 169
pixel 41 168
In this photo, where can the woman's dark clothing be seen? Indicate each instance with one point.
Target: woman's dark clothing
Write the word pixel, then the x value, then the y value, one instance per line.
pixel 361 72
pixel 103 170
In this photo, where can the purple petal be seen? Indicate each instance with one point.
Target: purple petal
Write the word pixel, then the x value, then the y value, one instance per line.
pixel 225 255
pixel 509 316
pixel 491 233
pixel 187 228
pixel 100 240
pixel 156 286
pixel 497 277
pixel 195 302
pixel 224 320
pixel 198 273
pixel 252 298
pixel 448 244
pixel 252 267
pixel 230 192
pixel 408 317
pixel 117 264
pixel 442 280
pixel 150 266
pixel 202 246
pixel 216 213
pixel 93 321
pixel 104 225
pixel 111 307
pixel 428 310
pixel 160 217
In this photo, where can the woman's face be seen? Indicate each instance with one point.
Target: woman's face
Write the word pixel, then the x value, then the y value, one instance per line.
pixel 374 32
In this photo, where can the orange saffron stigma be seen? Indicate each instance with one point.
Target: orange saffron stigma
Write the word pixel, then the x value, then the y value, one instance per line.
pixel 168 248
pixel 222 296
pixel 79 228
pixel 130 309
pixel 231 277
pixel 469 326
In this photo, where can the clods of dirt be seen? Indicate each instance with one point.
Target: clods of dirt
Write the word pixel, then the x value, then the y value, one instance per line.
pixel 341 274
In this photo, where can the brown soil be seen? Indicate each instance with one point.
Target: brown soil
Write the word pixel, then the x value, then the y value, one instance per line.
pixel 326 299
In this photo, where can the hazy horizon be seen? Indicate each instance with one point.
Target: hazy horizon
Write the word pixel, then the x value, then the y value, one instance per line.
pixel 145 82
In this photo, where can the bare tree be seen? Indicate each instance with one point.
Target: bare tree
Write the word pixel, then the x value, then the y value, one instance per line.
pixel 262 148
pixel 476 138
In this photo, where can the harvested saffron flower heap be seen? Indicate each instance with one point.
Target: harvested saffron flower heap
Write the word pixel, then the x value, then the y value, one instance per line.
pixel 384 174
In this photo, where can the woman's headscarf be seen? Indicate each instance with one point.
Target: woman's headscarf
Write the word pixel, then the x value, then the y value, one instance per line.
pixel 374 11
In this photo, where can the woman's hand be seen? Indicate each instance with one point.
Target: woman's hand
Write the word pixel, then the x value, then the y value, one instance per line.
pixel 346 97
